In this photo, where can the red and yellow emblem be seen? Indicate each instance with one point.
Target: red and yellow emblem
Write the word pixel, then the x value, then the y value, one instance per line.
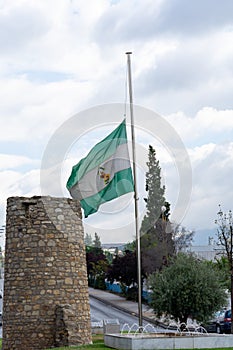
pixel 103 175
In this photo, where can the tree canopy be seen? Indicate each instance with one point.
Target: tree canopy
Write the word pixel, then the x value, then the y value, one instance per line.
pixel 182 237
pixel 224 233
pixel 156 236
pixel 225 240
pixel 97 242
pixel 124 269
pixel 188 287
pixel 97 265
pixel 88 240
pixel 157 247
pixel 155 199
pixel 222 264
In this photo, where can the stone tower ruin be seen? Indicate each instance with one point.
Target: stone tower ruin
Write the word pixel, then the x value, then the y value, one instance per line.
pixel 46 302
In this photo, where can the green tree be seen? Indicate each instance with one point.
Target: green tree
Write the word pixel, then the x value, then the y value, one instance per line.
pixel 156 235
pixel 88 240
pixel 225 240
pixel 131 246
pixel 109 256
pixel 97 266
pixel 124 270
pixel 222 265
pixel 157 247
pixel 155 199
pixel 188 287
pixel 97 242
pixel 182 237
pixel 224 233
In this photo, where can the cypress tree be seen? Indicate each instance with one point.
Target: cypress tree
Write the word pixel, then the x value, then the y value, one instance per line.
pixel 155 199
pixel 156 237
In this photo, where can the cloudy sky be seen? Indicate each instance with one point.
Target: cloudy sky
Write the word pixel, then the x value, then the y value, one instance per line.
pixel 64 61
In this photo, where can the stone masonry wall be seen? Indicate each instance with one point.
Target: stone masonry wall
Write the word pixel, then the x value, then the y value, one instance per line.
pixel 46 302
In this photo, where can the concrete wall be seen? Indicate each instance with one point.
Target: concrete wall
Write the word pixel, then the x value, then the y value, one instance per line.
pixel 46 300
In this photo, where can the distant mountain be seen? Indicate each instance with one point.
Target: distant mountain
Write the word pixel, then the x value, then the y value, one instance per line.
pixel 202 237
pixel 113 245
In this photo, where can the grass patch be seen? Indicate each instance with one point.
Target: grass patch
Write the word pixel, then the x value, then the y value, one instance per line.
pixel 98 343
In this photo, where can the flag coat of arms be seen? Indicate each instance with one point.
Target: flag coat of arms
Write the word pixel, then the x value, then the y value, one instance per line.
pixel 104 174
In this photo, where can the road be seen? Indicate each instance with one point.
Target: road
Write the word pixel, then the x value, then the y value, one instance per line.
pixel 101 311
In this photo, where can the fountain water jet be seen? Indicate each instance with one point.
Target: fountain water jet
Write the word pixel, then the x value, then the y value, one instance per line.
pixel 188 338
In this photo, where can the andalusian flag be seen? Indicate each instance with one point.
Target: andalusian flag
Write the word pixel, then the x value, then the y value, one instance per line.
pixel 104 174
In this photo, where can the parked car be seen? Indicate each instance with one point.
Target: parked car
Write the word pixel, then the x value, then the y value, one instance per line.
pixel 220 323
pixel 225 325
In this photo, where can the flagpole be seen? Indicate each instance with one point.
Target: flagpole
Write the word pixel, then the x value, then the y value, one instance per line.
pixel 138 243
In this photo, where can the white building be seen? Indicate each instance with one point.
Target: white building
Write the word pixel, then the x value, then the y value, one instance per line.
pixel 208 252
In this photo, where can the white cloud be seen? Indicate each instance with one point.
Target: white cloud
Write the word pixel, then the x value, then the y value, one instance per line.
pixel 216 121
pixel 207 124
pixel 9 183
pixel 13 183
pixel 212 171
pixel 200 153
pixel 21 24
pixel 38 108
pixel 8 161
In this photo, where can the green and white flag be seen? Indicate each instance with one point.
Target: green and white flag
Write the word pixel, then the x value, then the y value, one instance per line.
pixel 104 174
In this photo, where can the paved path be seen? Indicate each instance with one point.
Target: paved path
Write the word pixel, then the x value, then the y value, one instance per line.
pixel 123 304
